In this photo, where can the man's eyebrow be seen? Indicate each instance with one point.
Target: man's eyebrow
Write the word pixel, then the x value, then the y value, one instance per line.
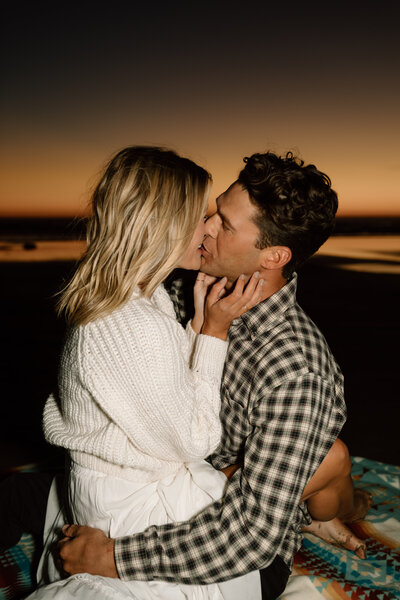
pixel 223 217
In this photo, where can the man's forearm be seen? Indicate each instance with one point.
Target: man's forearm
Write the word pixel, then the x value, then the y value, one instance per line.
pixel 216 545
pixel 258 517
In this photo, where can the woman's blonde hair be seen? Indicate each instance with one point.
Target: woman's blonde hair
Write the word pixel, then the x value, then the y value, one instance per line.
pixel 146 208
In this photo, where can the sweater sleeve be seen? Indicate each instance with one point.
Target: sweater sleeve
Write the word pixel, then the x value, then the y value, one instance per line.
pixel 137 370
pixel 192 337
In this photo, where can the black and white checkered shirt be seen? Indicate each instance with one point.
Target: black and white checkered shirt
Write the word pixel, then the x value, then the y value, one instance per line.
pixel 282 408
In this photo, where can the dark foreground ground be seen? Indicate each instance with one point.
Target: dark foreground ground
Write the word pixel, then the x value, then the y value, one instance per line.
pixel 358 313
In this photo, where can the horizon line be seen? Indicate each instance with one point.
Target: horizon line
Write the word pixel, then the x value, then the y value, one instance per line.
pixel 80 216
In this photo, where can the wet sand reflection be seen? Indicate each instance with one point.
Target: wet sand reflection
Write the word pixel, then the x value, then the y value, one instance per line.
pixel 369 254
pixel 372 254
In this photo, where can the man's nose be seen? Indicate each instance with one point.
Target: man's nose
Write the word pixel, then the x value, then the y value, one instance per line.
pixel 212 225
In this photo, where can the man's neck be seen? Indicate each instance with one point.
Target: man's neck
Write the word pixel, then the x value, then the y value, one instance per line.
pixel 272 286
pixel 273 281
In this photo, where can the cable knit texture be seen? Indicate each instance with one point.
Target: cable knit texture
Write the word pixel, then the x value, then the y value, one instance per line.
pixel 137 394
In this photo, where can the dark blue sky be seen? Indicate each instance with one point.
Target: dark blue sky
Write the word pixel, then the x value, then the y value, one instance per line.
pixel 214 80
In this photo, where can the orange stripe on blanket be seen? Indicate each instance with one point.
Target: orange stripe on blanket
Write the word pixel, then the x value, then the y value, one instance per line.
pixel 376 539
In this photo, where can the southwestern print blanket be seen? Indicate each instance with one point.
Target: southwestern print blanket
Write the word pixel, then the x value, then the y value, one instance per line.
pixel 321 571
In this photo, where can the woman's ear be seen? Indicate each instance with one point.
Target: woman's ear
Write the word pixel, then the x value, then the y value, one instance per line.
pixel 275 257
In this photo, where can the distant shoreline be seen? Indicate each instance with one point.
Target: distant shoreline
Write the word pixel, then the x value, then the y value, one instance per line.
pixel 357 252
pixel 25 230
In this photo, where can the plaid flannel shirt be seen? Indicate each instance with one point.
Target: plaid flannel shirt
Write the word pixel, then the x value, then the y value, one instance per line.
pixel 282 408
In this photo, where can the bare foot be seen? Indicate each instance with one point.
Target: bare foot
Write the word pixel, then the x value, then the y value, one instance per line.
pixel 337 533
pixel 362 502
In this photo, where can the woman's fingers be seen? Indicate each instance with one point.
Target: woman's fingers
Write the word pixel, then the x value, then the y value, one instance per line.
pixel 202 284
pixel 244 297
pixel 240 291
pixel 217 290
pixel 209 279
pixel 239 287
pixel 205 279
pixel 253 292
pixel 221 311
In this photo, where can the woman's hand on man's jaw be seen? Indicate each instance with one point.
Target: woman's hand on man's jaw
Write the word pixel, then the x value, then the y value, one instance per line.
pixel 221 309
pixel 200 290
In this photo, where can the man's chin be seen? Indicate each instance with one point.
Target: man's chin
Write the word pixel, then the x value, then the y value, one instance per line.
pixel 207 268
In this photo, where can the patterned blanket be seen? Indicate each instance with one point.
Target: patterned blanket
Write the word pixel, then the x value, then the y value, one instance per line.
pixel 320 570
pixel 323 571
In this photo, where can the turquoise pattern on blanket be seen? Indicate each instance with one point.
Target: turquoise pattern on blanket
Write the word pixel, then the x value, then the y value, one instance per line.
pixel 376 578
pixel 385 481
pixel 16 578
pixel 337 573
pixel 373 573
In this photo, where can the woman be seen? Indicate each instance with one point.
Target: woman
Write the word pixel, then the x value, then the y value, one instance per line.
pixel 138 403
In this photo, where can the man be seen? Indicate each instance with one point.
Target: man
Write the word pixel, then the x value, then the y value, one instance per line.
pixel 282 398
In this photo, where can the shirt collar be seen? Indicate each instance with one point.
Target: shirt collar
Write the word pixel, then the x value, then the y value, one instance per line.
pixel 265 313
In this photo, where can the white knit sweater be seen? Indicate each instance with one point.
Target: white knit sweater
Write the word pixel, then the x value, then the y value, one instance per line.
pixel 137 395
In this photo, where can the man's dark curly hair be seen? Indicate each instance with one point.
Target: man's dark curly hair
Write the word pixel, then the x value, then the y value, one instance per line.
pixel 296 205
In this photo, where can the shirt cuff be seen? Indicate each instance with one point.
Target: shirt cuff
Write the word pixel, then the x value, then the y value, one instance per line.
pixel 209 356
pixel 131 558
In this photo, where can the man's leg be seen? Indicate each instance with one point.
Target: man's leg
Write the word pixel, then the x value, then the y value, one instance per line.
pixel 332 501
pixel 23 503
pixel 330 492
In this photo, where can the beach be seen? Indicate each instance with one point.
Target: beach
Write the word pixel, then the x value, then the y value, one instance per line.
pixel 358 312
pixel 351 290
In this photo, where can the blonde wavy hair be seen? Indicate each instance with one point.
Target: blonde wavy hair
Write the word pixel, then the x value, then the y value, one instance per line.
pixel 146 208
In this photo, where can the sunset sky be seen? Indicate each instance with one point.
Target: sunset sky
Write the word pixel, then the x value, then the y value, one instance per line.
pixel 215 81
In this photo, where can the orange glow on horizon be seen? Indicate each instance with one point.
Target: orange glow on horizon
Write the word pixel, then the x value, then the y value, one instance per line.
pixel 59 185
pixel 210 89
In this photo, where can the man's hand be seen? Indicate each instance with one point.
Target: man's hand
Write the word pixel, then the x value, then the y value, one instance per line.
pixel 231 470
pixel 87 550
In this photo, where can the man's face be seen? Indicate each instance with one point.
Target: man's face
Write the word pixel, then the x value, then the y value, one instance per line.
pixel 229 246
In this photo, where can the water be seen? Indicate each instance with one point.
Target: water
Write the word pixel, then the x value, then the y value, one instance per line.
pixel 41 251
pixel 351 289
pixel 364 253
pixel 377 253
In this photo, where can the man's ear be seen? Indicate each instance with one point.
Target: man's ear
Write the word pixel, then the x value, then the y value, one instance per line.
pixel 275 257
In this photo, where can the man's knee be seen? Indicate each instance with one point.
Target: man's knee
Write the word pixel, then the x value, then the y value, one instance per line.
pixel 340 457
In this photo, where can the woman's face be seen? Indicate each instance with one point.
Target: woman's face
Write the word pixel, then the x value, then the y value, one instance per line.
pixel 191 259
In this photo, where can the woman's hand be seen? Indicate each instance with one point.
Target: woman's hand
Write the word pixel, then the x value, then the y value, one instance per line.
pixel 200 290
pixel 221 310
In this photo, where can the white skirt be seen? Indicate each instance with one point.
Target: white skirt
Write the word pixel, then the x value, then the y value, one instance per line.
pixel 120 507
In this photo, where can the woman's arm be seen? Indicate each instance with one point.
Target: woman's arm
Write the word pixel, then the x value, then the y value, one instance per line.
pixel 138 372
